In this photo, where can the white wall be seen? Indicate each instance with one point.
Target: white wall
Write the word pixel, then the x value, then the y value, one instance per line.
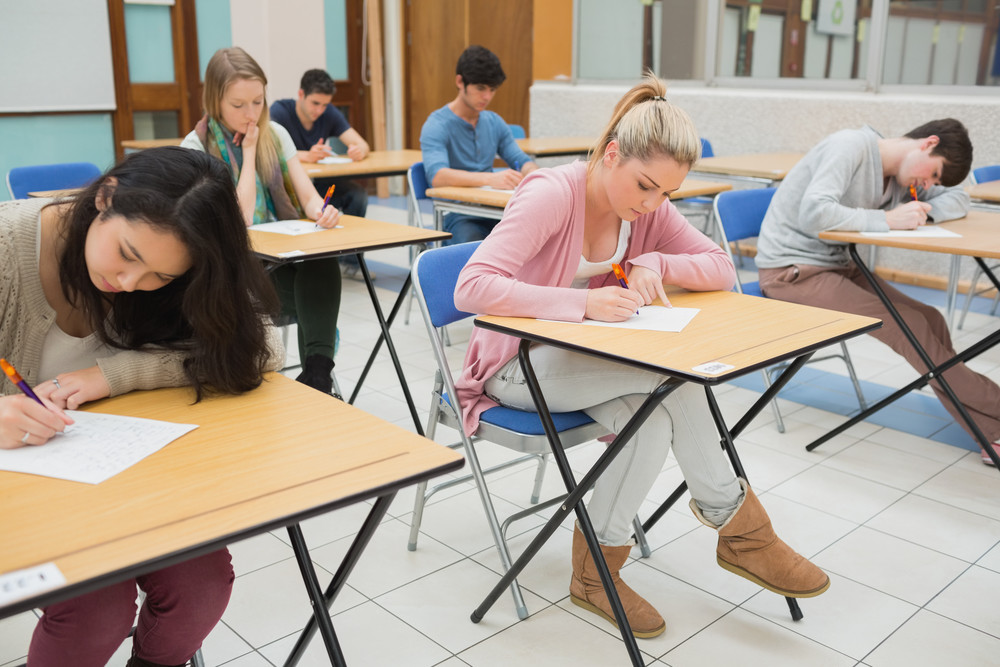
pixel 272 32
pixel 740 121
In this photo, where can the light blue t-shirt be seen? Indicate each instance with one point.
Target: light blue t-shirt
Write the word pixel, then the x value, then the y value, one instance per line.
pixel 448 141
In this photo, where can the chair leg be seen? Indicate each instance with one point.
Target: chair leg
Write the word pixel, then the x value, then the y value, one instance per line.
pixel 969 296
pixel 778 421
pixel 996 302
pixel 640 538
pixel 536 490
pixel 854 376
pixel 418 515
pixel 197 660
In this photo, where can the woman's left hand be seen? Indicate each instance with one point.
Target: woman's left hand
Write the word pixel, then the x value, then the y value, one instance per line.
pixel 71 390
pixel 648 284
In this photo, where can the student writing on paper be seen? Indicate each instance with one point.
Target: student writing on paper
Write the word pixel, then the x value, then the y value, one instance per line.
pixel 857 180
pixel 310 120
pixel 551 257
pixel 144 279
pixel 460 140
pixel 237 130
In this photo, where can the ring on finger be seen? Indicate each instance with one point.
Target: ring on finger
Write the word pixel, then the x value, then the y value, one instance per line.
pixel 24 438
pixel 55 381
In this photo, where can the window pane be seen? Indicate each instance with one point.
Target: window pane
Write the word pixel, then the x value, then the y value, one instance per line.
pixel 939 43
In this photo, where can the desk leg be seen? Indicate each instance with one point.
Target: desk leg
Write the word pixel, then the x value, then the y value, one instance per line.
pixel 321 601
pixel 574 497
pixel 933 372
pixel 384 326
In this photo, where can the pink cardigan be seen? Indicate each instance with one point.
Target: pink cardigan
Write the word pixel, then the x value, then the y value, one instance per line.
pixel 526 265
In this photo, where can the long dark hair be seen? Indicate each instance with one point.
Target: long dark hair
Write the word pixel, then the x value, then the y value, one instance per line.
pixel 216 313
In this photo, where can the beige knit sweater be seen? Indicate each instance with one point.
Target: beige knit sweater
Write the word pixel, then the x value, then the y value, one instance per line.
pixel 25 315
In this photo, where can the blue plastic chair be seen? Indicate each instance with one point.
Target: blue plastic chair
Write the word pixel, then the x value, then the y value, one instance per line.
pixel 740 214
pixel 700 206
pixel 981 175
pixel 517 131
pixel 435 273
pixel 40 177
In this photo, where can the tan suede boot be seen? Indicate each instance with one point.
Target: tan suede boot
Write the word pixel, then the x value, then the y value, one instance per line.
pixel 748 547
pixel 585 589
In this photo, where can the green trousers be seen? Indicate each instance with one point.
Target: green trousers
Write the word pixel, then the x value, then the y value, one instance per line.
pixel 310 292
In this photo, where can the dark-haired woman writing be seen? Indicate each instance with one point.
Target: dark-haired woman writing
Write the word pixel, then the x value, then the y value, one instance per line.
pixel 143 280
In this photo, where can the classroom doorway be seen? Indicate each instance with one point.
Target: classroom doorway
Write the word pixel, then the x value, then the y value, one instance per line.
pixel 154 50
pixel 437 31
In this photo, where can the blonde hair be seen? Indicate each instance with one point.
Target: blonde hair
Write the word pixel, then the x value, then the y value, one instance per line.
pixel 225 67
pixel 646 126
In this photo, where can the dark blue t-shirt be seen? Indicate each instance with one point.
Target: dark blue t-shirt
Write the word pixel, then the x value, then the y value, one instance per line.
pixel 331 124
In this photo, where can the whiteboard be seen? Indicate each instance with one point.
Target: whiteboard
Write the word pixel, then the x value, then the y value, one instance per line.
pixel 56 56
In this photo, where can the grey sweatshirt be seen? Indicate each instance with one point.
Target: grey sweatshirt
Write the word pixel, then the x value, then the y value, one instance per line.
pixel 839 185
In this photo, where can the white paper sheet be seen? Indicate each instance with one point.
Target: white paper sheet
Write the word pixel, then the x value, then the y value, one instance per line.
pixel 335 159
pixel 29 581
pixel 94 448
pixel 289 227
pixel 927 231
pixel 651 318
pixel 490 187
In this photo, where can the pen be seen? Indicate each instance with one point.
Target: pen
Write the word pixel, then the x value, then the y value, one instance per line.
pixel 19 381
pixel 329 193
pixel 622 280
pixel 913 191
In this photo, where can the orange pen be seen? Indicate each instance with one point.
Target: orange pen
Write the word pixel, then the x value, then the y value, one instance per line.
pixel 620 275
pixel 913 191
pixel 329 193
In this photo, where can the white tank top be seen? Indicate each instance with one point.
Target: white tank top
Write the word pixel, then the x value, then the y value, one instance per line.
pixel 588 270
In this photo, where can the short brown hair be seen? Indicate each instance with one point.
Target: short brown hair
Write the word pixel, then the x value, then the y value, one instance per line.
pixel 953 145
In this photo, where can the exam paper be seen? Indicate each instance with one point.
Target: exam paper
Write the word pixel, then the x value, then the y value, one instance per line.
pixel 651 318
pixel 335 159
pixel 289 227
pixel 927 231
pixel 95 448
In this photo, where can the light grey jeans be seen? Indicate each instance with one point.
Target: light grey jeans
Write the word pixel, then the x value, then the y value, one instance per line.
pixel 611 393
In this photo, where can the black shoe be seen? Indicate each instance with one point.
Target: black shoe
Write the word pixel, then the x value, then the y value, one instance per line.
pixel 316 373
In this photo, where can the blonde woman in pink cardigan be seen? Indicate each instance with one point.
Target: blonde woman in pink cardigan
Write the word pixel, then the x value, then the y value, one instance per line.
pixel 551 258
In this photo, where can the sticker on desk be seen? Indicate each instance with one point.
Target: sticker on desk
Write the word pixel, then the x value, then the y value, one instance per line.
pixel 30 581
pixel 291 253
pixel 713 368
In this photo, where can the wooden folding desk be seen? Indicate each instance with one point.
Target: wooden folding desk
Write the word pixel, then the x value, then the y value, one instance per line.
pixel 734 334
pixel 376 163
pixel 489 203
pixel 356 236
pixel 130 145
pixel 556 146
pixel 268 459
pixel 980 240
pixel 987 193
pixel 761 167
pixel 54 194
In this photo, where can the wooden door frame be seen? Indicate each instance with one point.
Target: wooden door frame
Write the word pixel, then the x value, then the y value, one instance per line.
pixel 182 95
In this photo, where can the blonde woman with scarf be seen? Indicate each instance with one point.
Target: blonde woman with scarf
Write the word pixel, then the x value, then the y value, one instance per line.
pixel 237 129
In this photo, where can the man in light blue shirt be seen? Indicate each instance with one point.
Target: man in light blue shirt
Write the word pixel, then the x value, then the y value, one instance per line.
pixel 461 139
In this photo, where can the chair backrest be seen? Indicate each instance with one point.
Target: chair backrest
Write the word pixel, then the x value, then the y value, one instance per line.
pixel 416 185
pixel 435 274
pixel 741 212
pixel 706 148
pixel 986 174
pixel 517 131
pixel 22 180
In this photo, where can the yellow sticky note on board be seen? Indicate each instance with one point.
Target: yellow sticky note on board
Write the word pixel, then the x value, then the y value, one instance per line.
pixel 862 28
pixel 936 35
pixel 753 18
pixel 807 11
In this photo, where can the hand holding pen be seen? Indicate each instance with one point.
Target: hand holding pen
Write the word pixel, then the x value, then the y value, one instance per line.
pixel 327 216
pixel 26 420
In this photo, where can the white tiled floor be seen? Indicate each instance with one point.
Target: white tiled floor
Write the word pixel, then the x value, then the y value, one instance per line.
pixel 908 528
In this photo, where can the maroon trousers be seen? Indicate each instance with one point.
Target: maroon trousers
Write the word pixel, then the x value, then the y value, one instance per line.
pixel 847 290
pixel 183 603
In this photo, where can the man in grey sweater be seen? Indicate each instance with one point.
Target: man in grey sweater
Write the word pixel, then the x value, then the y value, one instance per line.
pixel 857 180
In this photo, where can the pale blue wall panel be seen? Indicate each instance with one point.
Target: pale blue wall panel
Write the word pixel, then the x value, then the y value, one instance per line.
pixel 215 29
pixel 335 23
pixel 29 140
pixel 149 43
